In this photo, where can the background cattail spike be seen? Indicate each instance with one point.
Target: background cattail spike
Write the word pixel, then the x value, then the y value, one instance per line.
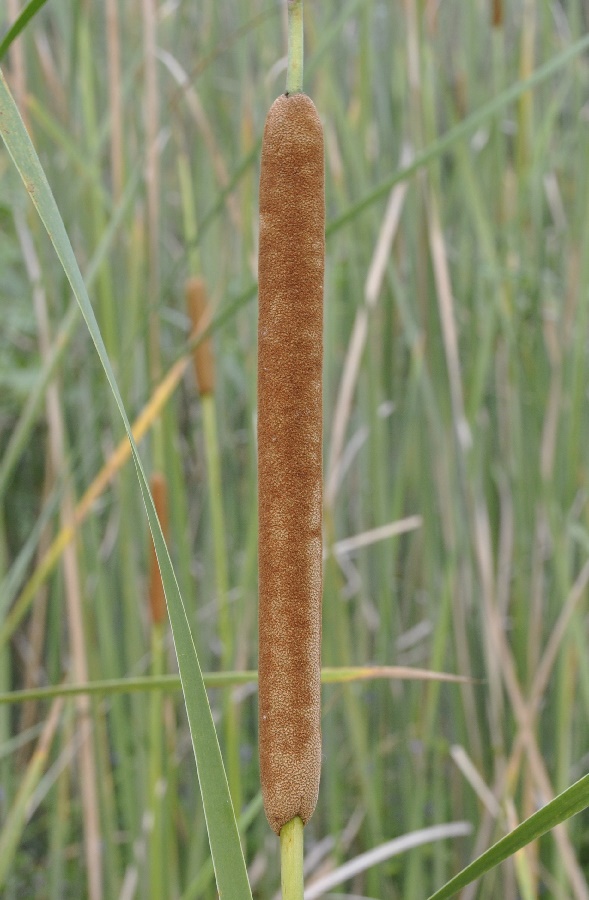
pixel 157 597
pixel 199 310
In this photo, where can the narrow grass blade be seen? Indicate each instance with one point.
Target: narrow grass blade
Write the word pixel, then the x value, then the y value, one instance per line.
pixel 339 675
pixel 13 32
pixel 226 850
pixel 567 804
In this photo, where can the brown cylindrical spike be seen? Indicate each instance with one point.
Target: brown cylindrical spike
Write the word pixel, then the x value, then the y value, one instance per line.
pixel 200 315
pixel 290 351
pixel 497 13
pixel 157 598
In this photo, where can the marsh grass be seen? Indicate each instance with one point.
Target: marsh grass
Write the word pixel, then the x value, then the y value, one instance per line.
pixel 457 286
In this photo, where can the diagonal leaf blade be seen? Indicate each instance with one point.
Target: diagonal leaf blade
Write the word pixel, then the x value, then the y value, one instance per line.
pixel 227 856
pixel 567 804
pixel 31 9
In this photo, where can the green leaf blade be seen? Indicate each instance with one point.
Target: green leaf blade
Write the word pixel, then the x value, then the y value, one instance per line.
pixel 567 804
pixel 227 855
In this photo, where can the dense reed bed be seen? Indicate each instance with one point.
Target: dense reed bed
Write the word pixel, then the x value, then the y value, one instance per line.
pixel 456 521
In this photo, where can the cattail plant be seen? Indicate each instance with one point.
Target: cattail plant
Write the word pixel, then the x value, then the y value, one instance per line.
pixel 157 598
pixel 199 311
pixel 290 350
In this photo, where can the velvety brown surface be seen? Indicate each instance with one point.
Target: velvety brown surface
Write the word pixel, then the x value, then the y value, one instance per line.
pixel 157 598
pixel 198 309
pixel 290 338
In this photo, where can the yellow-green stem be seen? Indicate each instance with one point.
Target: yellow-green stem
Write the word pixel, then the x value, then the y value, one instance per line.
pixel 291 860
pixel 294 73
pixel 188 213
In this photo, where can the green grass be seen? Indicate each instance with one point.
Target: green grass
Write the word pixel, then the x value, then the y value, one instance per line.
pixel 455 389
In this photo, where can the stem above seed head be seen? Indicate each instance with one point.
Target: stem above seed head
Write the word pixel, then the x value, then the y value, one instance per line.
pixel 294 73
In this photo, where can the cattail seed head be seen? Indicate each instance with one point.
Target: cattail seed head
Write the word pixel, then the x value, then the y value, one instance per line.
pixel 157 597
pixel 290 350
pixel 200 315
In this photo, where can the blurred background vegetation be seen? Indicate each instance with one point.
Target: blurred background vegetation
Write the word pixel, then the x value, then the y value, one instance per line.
pixel 456 439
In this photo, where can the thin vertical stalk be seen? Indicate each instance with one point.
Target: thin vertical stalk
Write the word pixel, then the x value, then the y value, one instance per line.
pixel 525 111
pixel 152 178
pixel 294 75
pixel 108 309
pixel 188 213
pixel 115 98
pixel 291 860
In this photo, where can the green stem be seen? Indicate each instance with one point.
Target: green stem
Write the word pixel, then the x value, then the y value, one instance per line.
pixel 291 859
pixel 188 213
pixel 294 73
